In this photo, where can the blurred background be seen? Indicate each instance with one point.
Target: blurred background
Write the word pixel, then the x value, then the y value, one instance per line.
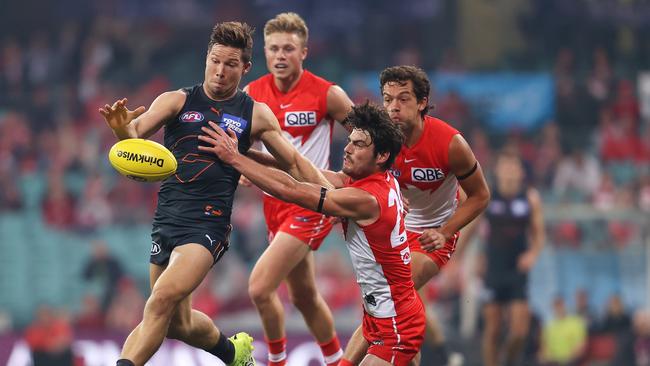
pixel 565 82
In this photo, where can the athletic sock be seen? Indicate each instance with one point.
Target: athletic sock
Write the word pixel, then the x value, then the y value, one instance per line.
pixel 332 351
pixel 124 362
pixel 345 362
pixel 224 349
pixel 277 352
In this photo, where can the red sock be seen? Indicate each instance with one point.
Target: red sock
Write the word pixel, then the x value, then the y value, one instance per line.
pixel 277 352
pixel 345 362
pixel 332 351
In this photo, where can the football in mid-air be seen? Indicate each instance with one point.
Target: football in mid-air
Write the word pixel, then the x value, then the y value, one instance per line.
pixel 142 160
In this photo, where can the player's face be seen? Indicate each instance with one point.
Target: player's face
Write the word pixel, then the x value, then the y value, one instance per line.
pixel 284 53
pixel 224 69
pixel 402 105
pixel 359 159
pixel 509 172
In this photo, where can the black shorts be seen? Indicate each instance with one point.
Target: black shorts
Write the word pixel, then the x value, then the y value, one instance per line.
pixel 165 237
pixel 506 289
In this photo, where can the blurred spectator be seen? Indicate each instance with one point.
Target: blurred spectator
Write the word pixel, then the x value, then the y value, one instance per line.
pixel 626 106
pixel 583 309
pixel 641 340
pixel 58 204
pixel 10 196
pixel 617 138
pixel 104 269
pixel 91 316
pixel 335 279
pixel 49 338
pixel 93 209
pixel 125 311
pixel 601 78
pixel 563 338
pixel 548 155
pixel 616 319
pixel 577 176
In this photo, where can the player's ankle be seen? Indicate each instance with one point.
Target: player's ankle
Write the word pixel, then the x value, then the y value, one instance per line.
pixel 224 349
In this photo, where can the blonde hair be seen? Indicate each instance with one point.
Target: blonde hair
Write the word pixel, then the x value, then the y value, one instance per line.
pixel 288 23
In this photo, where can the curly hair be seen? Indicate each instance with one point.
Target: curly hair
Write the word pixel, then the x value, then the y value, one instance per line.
pixel 384 134
pixel 401 75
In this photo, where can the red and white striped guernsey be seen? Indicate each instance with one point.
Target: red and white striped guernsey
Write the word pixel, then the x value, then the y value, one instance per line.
pixel 380 254
pixel 302 113
pixel 424 175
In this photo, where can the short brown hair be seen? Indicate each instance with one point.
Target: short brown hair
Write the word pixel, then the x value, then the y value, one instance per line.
pixel 236 35
pixel 404 73
pixel 288 23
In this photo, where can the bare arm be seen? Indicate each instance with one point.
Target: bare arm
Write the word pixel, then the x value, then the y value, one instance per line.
pixel 338 104
pixel 267 129
pixel 337 179
pixel 462 162
pixel 352 203
pixel 140 123
pixel 536 234
pixel 465 167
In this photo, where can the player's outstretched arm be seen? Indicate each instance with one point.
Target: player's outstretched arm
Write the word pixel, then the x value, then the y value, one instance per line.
pixel 352 203
pixel 267 129
pixel 337 179
pixel 142 123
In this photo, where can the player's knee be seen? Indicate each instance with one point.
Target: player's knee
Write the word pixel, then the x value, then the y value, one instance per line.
pixel 162 302
pixel 259 292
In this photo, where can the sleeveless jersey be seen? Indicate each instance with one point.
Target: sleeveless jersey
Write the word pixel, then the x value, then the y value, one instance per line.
pixel 203 188
pixel 380 253
pixel 424 175
pixel 509 219
pixel 302 113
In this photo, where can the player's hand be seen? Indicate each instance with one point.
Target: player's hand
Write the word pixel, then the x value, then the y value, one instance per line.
pixel 407 204
pixel 224 144
pixel 526 261
pixel 432 239
pixel 118 116
pixel 244 182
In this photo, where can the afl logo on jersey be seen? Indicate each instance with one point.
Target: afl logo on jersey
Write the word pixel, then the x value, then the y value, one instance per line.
pixel 395 172
pixel 427 174
pixel 300 119
pixel 192 116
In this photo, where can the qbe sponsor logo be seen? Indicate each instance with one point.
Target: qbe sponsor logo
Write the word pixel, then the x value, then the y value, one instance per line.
pixel 300 119
pixel 427 174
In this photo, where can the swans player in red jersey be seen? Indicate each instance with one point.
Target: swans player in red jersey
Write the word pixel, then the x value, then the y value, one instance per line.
pixel 369 200
pixel 306 107
pixel 433 162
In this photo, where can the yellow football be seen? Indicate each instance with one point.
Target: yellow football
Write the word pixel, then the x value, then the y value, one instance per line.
pixel 142 160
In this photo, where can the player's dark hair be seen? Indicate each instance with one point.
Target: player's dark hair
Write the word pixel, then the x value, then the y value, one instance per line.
pixel 384 134
pixel 235 35
pixel 401 75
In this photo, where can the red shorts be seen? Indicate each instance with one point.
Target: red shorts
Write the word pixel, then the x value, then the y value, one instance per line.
pixel 441 256
pixel 306 225
pixel 398 339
